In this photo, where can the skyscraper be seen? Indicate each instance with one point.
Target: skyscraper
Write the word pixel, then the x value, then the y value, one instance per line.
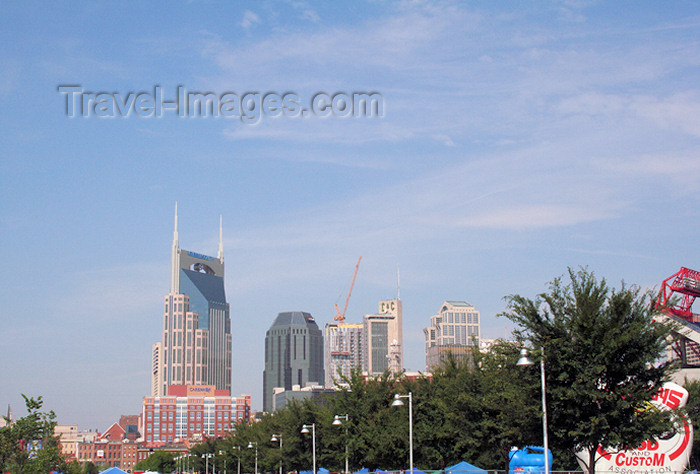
pixel 453 330
pixel 293 354
pixel 383 338
pixel 195 348
pixel 344 350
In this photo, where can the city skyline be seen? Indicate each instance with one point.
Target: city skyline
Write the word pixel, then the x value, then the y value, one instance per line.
pixel 515 140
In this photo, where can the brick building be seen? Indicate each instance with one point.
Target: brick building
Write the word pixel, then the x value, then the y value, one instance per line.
pixel 192 412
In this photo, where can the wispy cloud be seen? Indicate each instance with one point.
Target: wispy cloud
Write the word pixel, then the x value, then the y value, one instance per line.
pixel 249 19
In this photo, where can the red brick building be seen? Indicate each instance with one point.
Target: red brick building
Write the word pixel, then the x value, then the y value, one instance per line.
pixel 192 412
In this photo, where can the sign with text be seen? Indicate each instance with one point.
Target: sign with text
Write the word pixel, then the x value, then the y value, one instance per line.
pixel 669 452
pixel 201 390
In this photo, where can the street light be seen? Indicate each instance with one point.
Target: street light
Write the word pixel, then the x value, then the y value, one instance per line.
pixel 250 446
pixel 305 430
pixel 337 422
pixel 398 403
pixel 525 360
pixel 274 439
pixel 207 456
pixel 220 454
pixel 239 458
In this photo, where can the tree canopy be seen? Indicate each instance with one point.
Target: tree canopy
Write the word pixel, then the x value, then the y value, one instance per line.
pixel 602 352
pixel 474 409
pixel 28 445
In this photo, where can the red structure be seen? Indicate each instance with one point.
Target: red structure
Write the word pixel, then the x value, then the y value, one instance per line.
pixel 685 284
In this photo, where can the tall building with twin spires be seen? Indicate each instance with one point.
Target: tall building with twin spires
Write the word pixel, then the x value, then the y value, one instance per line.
pixel 195 348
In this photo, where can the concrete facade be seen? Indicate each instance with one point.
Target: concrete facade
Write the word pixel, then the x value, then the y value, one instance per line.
pixel 383 338
pixel 455 329
pixel 344 350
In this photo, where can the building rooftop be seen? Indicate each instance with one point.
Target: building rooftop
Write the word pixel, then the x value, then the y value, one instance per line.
pixel 459 303
pixel 296 318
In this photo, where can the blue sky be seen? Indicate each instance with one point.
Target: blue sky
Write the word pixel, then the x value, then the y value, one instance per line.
pixel 518 138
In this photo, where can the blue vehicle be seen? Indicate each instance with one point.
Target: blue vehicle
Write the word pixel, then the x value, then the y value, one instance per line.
pixel 530 459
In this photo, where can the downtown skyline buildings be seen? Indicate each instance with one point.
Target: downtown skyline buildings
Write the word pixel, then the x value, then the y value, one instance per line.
pixel 196 341
pixel 375 344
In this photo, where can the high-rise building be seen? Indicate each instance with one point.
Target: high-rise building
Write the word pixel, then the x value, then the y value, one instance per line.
pixel 344 350
pixel 383 338
pixel 454 330
pixel 195 348
pixel 293 354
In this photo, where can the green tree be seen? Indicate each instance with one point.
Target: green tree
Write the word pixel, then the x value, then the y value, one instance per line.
pixel 509 400
pixel 90 468
pixel 475 409
pixel 601 350
pixel 159 461
pixel 35 429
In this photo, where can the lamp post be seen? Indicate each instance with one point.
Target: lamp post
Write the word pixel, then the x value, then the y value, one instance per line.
pixel 207 456
pixel 250 446
pixel 221 453
pixel 525 360
pixel 337 422
pixel 274 439
pixel 239 458
pixel 398 403
pixel 305 429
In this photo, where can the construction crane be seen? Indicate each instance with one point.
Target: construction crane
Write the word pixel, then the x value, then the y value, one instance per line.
pixel 675 299
pixel 340 317
pixel 686 283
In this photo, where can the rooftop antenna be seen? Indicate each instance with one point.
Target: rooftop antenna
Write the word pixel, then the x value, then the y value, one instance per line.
pixel 220 255
pixel 398 283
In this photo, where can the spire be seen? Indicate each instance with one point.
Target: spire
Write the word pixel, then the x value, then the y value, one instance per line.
pixel 175 260
pixel 220 255
pixel 175 231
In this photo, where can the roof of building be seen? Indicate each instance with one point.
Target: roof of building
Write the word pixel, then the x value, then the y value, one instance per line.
pixel 294 318
pixel 458 303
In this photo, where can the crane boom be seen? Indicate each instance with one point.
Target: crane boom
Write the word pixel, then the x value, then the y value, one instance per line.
pixel 341 316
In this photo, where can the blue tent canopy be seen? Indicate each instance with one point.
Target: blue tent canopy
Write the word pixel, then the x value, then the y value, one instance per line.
pixel 415 471
pixel 113 470
pixel 362 471
pixel 464 468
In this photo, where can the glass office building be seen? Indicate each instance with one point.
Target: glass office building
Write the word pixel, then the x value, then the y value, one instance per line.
pixel 195 348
